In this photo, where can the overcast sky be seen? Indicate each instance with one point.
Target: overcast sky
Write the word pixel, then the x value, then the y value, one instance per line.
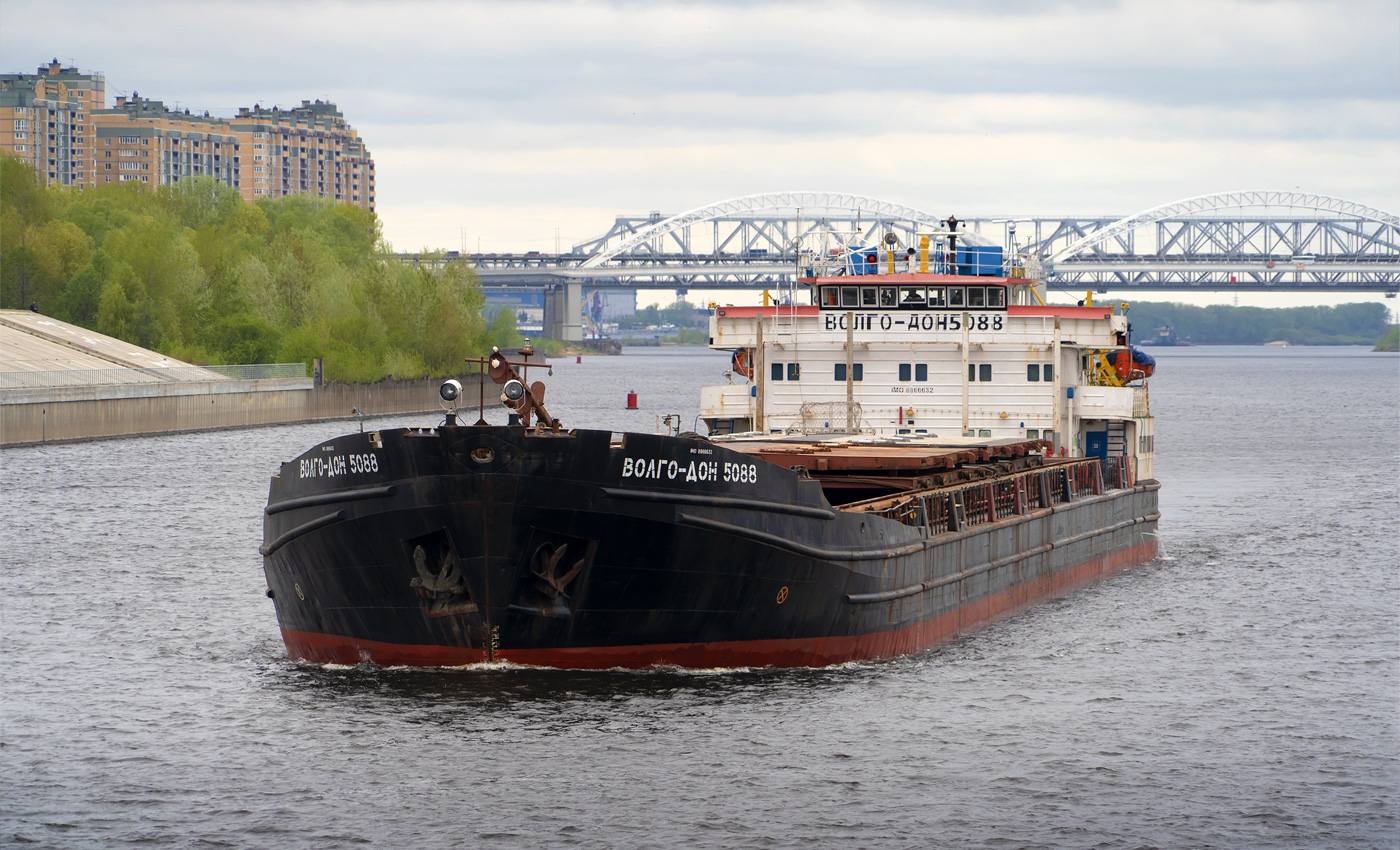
pixel 506 122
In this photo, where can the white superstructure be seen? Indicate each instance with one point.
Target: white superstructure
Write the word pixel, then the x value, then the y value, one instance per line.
pixel 951 357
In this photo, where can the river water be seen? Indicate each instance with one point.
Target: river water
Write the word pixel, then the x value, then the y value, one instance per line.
pixel 1239 692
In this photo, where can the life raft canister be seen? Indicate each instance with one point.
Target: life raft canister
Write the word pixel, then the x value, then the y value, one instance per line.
pixel 1131 363
pixel 742 362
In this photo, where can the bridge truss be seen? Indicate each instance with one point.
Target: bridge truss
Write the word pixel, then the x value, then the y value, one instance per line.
pixel 1248 240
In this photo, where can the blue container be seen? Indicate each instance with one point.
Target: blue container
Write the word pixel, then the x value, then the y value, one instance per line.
pixel 980 260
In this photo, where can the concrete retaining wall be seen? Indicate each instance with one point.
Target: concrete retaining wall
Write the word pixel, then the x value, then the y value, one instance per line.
pixel 68 414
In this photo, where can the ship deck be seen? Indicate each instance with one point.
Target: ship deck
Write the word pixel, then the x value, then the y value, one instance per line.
pixel 860 467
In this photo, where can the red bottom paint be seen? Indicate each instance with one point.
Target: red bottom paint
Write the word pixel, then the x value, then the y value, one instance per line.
pixel 799 652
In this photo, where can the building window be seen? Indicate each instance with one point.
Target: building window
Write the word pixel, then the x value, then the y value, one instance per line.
pixel 126 140
pixel 921 371
pixel 905 371
pixel 857 372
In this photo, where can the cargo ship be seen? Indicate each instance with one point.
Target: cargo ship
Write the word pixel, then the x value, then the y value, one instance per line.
pixel 925 447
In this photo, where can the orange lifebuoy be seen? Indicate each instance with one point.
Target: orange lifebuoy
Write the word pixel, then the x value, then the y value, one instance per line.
pixel 742 362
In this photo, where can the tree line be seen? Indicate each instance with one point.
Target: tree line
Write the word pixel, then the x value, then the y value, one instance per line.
pixel 1221 324
pixel 194 272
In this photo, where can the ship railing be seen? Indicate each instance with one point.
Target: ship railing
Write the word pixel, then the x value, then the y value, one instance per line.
pixel 1141 406
pixel 828 417
pixel 955 508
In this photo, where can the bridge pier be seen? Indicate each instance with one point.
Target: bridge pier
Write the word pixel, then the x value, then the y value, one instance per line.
pixel 563 311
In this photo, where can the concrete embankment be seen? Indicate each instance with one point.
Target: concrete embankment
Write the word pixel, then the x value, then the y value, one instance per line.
pixel 36 415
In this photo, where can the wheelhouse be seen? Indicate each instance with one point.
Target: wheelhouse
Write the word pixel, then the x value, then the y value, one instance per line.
pixel 911 295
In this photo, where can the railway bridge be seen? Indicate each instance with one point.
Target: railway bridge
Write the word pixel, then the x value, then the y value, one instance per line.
pixel 1258 240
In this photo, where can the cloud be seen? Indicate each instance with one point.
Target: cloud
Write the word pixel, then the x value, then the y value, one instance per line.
pixel 483 114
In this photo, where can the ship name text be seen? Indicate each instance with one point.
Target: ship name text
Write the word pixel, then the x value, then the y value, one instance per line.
pixel 335 465
pixel 696 470
pixel 916 321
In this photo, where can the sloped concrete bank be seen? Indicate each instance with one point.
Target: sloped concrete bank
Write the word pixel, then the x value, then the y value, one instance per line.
pixel 74 414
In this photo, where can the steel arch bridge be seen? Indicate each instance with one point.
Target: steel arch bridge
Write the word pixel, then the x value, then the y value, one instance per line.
pixel 1246 240
pixel 1242 240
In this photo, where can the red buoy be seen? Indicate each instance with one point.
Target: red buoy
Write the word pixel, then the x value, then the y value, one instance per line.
pixel 631 400
pixel 578 358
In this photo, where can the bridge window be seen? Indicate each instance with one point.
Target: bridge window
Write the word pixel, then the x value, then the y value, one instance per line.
pixel 849 297
pixel 976 296
pixel 935 296
pixel 831 296
pixel 857 371
pixel 888 298
pixel 867 297
pixel 996 296
pixel 912 296
pixel 955 296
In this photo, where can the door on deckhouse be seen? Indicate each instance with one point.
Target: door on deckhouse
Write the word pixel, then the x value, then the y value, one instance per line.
pixel 1096 444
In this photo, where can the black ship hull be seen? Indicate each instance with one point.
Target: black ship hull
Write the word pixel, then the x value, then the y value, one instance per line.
pixel 469 544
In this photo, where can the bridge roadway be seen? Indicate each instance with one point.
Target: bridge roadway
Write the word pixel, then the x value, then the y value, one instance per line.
pixel 1287 274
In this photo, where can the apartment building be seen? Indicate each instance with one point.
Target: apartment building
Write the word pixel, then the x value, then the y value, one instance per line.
pixel 45 120
pixel 309 148
pixel 58 122
pixel 142 140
